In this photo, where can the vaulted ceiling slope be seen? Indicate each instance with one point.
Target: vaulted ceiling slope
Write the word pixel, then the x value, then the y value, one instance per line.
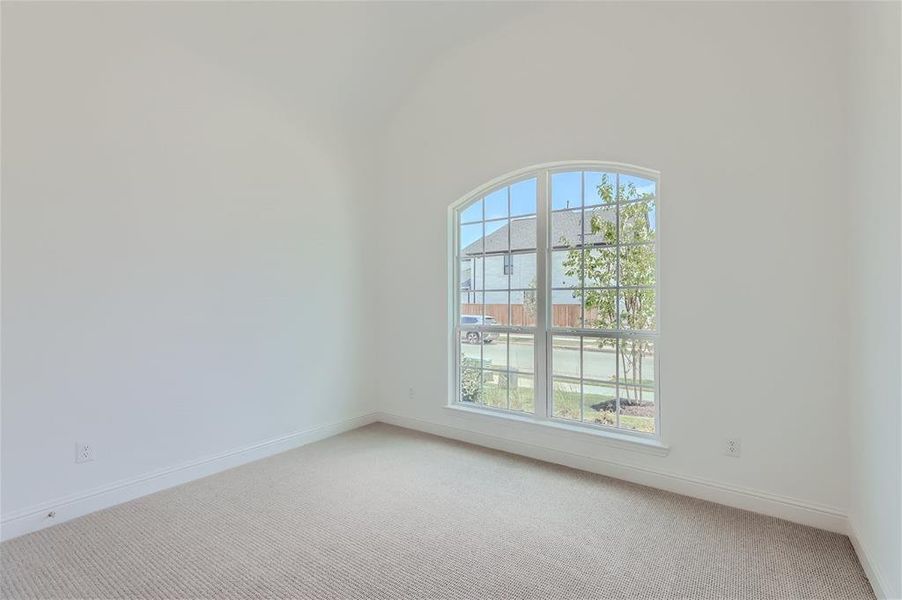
pixel 348 64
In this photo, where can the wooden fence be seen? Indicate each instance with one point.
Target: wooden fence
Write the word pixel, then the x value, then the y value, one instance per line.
pixel 563 315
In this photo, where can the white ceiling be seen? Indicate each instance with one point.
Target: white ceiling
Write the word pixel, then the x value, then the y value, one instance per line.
pixel 351 62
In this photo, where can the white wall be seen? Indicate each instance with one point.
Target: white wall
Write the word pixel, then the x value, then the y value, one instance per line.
pixel 180 272
pixel 875 510
pixel 740 107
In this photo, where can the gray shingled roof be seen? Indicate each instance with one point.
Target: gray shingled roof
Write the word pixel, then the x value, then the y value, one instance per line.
pixel 566 225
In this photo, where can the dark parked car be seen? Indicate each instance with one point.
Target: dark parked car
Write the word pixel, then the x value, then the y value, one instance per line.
pixel 477 337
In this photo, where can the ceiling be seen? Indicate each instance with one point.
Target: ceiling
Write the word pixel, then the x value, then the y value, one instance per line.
pixel 351 62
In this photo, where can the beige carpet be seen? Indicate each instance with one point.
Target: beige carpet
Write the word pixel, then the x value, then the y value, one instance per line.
pixel 383 512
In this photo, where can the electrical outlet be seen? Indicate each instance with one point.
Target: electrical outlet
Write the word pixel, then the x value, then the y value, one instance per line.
pixel 410 393
pixel 732 447
pixel 84 452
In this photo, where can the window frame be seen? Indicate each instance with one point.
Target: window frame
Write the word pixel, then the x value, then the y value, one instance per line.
pixel 544 331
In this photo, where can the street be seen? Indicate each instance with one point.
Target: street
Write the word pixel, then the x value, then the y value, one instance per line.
pixel 599 364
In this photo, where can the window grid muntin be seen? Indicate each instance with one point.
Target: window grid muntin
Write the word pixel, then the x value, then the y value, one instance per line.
pixel 484 289
pixel 616 246
pixel 619 333
pixel 543 206
pixel 509 371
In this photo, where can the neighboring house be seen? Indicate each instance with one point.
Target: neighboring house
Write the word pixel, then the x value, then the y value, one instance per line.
pixel 518 235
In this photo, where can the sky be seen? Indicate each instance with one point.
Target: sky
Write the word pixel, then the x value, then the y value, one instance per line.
pixel 568 190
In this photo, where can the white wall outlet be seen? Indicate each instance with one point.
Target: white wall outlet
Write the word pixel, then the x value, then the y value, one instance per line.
pixel 410 393
pixel 732 447
pixel 84 452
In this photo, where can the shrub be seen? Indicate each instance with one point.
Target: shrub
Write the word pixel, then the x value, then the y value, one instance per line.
pixel 470 389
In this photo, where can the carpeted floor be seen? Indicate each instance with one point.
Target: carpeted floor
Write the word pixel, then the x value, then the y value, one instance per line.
pixel 383 512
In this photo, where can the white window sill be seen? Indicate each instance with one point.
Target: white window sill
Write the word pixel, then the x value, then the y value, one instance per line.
pixel 645 445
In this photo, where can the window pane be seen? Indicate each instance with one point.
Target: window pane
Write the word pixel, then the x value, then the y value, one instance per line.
pixel 598 188
pixel 637 265
pixel 565 356
pixel 496 272
pixel 523 198
pixel 636 373
pixel 600 308
pixel 638 419
pixel 471 239
pixel 566 268
pixel 470 349
pixel 470 384
pixel 471 308
pixel 523 233
pixel 472 213
pixel 565 399
pixel 467 275
pixel 637 309
pixel 601 267
pixel 494 351
pixel 494 389
pixel 599 404
pixel 600 359
pixel 637 222
pixel 523 271
pixel 496 308
pixel 522 392
pixel 475 339
pixel 566 371
pixel 566 190
pixel 522 353
pixel 496 204
pixel 600 225
pixel 633 188
pixel 523 308
pixel 478 275
pixel 496 233
pixel 566 308
pixel 566 229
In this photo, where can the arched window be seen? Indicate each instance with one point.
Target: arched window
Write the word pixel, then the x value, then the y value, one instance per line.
pixel 555 296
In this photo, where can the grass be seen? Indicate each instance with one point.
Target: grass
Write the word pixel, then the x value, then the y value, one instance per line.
pixel 566 403
pixel 646 424
pixel 494 392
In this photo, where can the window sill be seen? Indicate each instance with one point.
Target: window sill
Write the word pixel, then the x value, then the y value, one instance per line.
pixel 610 438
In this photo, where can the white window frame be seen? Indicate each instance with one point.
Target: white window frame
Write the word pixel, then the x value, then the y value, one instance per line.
pixel 543 332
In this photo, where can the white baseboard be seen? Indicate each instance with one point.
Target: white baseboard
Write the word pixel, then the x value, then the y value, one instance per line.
pixel 790 509
pixel 36 517
pixel 878 583
pixel 76 505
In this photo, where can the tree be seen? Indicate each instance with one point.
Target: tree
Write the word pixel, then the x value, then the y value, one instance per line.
pixel 606 261
pixel 530 303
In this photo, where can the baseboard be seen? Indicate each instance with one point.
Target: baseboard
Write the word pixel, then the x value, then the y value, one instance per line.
pixel 790 509
pixel 64 509
pixel 36 517
pixel 878 583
